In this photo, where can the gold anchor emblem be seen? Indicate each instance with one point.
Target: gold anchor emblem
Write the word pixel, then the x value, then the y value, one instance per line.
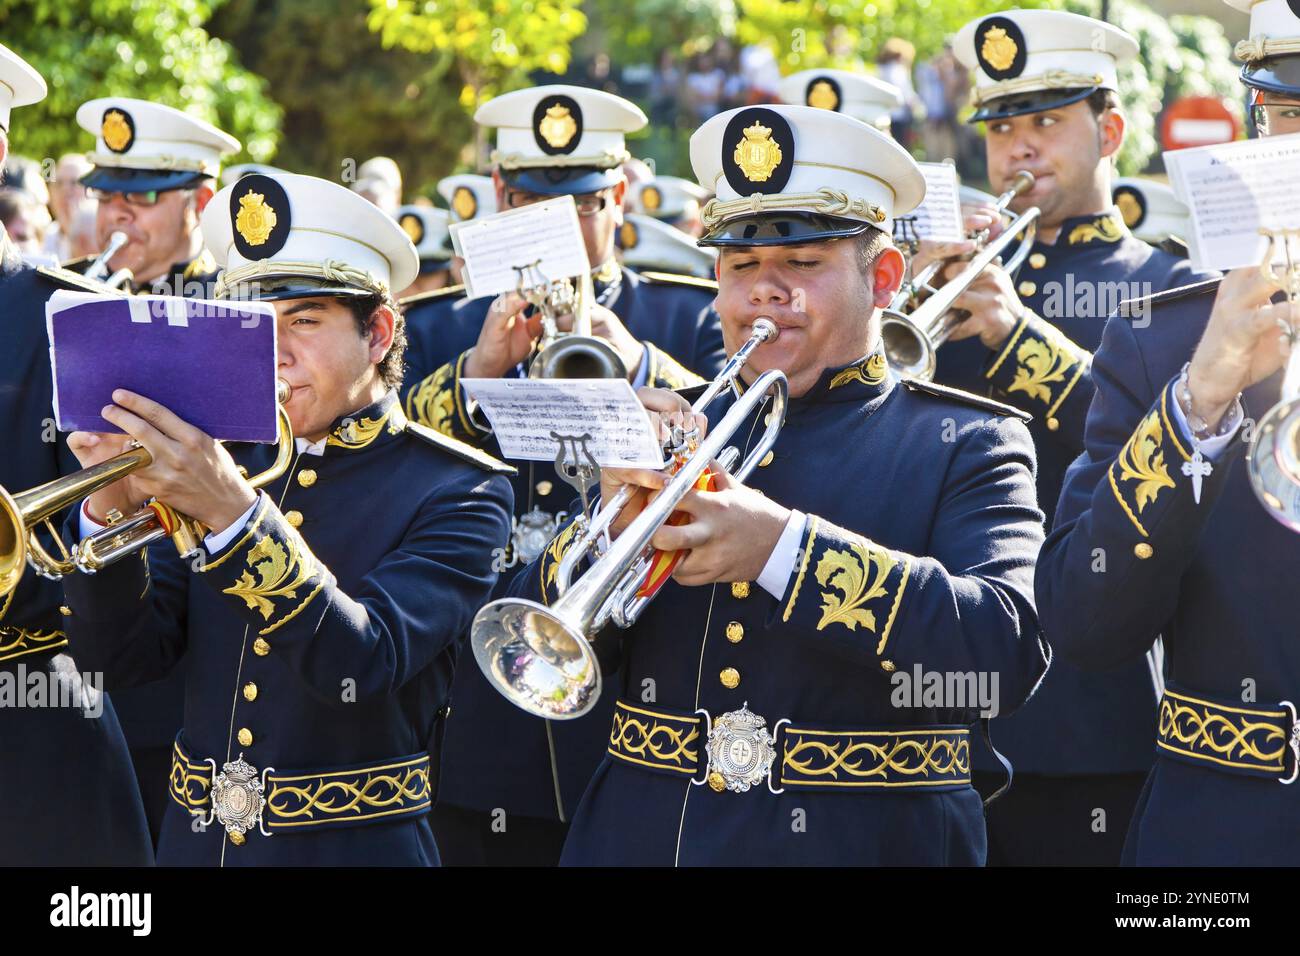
pixel 999 50
pixel 822 95
pixel 757 154
pixel 463 202
pixel 255 220
pixel 557 126
pixel 116 131
pixel 651 199
pixel 627 235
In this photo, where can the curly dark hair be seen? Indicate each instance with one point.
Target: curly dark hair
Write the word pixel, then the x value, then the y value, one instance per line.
pixel 363 308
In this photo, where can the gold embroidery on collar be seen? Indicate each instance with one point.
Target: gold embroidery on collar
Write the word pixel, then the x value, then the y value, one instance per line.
pixel 1106 228
pixel 858 573
pixel 1041 359
pixel 358 433
pixel 1142 460
pixel 281 571
pixel 870 371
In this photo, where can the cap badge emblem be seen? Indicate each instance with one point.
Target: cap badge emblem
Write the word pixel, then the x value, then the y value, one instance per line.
pixel 557 126
pixel 463 203
pixel 823 96
pixel 255 220
pixel 116 131
pixel 757 154
pixel 999 50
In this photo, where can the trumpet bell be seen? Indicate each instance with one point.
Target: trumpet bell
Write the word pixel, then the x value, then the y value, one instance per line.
pixel 577 356
pixel 1274 463
pixel 13 543
pixel 910 351
pixel 537 659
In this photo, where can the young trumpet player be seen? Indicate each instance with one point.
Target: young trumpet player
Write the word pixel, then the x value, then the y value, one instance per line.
pixel 765 708
pixel 1184 381
pixel 322 615
pixel 1046 90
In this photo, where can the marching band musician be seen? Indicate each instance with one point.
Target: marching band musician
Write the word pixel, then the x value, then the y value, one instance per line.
pixel 1046 90
pixel 551 141
pixel 68 796
pixel 154 171
pixel 892 529
pixel 323 619
pixel 1190 553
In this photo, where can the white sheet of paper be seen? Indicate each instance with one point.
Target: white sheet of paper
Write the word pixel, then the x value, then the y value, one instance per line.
pixel 546 233
pixel 1234 190
pixel 527 413
pixel 939 215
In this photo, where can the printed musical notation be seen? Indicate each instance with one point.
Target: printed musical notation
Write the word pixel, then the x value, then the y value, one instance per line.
pixel 525 412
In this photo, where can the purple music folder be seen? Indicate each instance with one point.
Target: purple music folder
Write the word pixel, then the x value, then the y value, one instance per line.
pixel 212 363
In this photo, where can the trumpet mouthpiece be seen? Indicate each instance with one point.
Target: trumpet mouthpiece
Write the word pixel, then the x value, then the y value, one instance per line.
pixel 1023 182
pixel 767 329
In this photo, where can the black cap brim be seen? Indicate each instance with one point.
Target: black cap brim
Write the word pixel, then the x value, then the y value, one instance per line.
pixel 1277 74
pixel 1018 104
pixel 116 180
pixel 781 229
pixel 276 288
pixel 431 264
pixel 556 181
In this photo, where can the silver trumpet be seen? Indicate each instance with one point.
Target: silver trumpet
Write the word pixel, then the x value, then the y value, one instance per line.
pixel 1273 462
pixel 576 354
pixel 540 657
pixel 98 270
pixel 912 333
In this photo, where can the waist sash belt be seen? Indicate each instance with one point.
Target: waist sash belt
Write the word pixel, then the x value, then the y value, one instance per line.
pixel 242 798
pixel 735 751
pixel 1217 735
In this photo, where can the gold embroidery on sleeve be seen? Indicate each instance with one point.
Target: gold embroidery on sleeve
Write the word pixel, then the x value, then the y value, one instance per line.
pixel 859 574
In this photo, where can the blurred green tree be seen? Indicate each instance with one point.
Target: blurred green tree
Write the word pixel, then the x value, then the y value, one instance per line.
pixel 156 50
pixel 486 47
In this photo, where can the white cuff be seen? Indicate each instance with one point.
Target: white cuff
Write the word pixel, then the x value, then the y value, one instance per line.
pixel 217 540
pixel 1211 448
pixel 86 524
pixel 775 575
pixel 640 380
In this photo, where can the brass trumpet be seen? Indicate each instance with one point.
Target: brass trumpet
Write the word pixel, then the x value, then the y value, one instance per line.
pixel 911 338
pixel 98 270
pixel 1273 463
pixel 25 513
pixel 576 354
pixel 541 657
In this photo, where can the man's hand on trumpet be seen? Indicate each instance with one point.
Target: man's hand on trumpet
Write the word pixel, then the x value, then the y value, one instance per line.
pixel 191 471
pixel 732 529
pixel 991 301
pixel 509 333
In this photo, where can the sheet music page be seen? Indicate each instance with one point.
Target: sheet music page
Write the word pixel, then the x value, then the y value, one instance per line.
pixel 939 215
pixel 545 233
pixel 530 417
pixel 1234 190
